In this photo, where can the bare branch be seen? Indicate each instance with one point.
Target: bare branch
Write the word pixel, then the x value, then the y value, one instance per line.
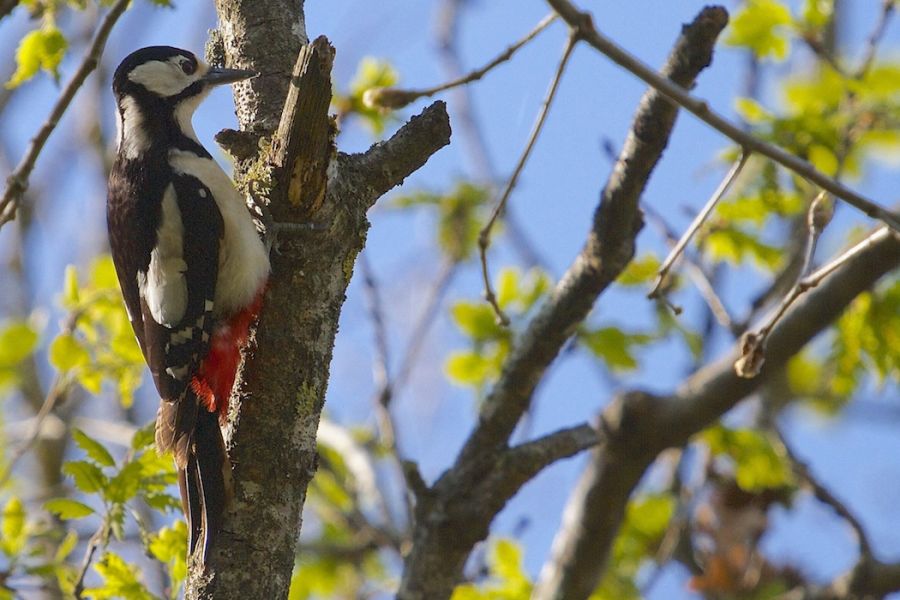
pixel 388 163
pixel 698 221
pixel 824 495
pixel 638 426
pixel 530 458
pixel 471 132
pixel 17 182
pixel 693 271
pixel 423 324
pixel 484 236
pixel 57 392
pixel 887 9
pixel 97 539
pixel 455 513
pixel 398 98
pixel 582 23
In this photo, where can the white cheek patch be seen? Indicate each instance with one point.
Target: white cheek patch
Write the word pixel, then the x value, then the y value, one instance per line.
pixel 163 287
pixel 132 137
pixel 163 78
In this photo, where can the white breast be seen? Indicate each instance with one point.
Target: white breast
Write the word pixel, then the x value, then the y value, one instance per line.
pixel 243 261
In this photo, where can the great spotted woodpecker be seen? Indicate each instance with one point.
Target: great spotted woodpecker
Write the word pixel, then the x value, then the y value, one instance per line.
pixel 191 266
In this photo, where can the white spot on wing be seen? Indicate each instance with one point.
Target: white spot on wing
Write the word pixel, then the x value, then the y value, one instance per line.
pixel 243 260
pixel 180 373
pixel 163 286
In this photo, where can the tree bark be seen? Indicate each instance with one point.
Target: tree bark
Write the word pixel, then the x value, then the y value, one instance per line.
pixel 286 137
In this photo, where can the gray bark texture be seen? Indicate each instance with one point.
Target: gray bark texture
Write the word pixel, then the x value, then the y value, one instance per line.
pixel 285 157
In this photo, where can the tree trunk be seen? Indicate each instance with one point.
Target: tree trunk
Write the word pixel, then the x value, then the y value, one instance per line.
pixel 283 155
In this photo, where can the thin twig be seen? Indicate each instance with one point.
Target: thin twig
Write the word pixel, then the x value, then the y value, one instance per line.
pixel 376 315
pixel 470 130
pixel 754 342
pixel 887 9
pixel 58 390
pixel 815 278
pixel 582 24
pixel 484 236
pixel 398 98
pixel 95 542
pixel 423 324
pixel 17 182
pixel 824 495
pixel 820 50
pixel 698 221
pixel 694 271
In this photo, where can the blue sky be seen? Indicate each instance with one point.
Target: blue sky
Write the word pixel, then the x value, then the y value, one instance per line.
pixel 555 199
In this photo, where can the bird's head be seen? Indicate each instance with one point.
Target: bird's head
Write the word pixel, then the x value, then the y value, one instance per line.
pixel 169 74
pixel 161 86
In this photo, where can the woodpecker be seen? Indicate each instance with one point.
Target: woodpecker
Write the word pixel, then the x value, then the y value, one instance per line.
pixel 191 266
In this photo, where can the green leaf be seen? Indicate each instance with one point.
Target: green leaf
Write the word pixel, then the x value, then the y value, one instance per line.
pixel 505 562
pixel 507 286
pixel 40 49
pixel 823 159
pixel 477 321
pixel 169 546
pixel 458 221
pixel 126 483
pixel 67 353
pixel 639 271
pixel 71 294
pixel 817 13
pixel 751 111
pixel 468 368
pixel 17 341
pixel 144 437
pixel 103 273
pixel 735 246
pixel 508 579
pixel 757 208
pixel 162 502
pixel 66 546
pixel 757 464
pixel 760 26
pixel 867 339
pixel 87 476
pixel 614 346
pixel 66 508
pixel 95 450
pixel 371 73
pixel 12 526
pixel 120 580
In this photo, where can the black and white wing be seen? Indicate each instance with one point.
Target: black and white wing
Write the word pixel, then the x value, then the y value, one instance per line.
pixel 168 281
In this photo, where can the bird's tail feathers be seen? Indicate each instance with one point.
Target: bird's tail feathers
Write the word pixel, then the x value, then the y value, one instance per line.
pixel 204 472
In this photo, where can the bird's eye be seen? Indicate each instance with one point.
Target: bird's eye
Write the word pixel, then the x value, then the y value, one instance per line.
pixel 188 66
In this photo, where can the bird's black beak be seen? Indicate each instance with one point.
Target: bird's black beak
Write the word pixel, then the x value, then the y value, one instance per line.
pixel 218 76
